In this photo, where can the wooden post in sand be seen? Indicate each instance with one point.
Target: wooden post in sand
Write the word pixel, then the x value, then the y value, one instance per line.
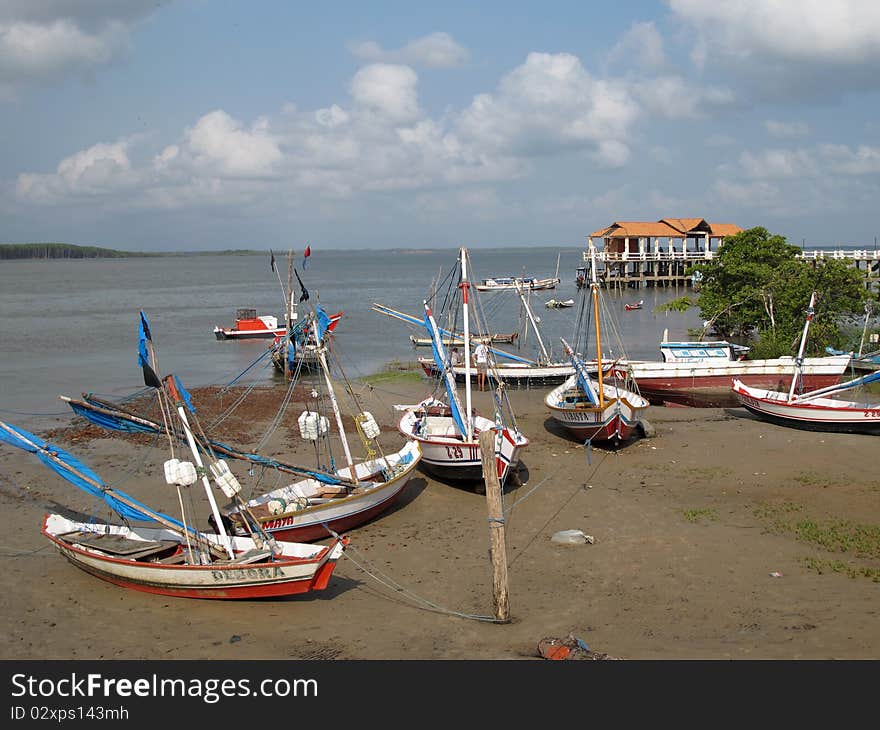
pixel 497 540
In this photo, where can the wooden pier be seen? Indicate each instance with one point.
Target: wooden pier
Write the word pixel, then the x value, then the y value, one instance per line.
pixel 633 254
pixel 636 269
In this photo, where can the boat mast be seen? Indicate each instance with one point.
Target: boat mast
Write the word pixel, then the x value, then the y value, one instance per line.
pixel 594 286
pixel 322 358
pixel 465 286
pixel 178 400
pixel 799 360
pixel 519 290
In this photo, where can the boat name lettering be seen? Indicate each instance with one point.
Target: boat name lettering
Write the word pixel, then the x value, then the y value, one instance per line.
pixel 245 573
pixel 872 413
pixel 454 452
pixel 276 524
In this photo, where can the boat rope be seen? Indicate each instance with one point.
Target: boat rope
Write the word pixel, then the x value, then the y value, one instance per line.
pixel 552 517
pixel 232 382
pixel 417 600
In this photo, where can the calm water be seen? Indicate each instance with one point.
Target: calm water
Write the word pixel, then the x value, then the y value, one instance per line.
pixel 72 326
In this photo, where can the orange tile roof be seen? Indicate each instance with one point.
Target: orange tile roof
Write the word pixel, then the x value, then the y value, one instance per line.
pixel 684 224
pixel 664 228
pixel 725 229
pixel 636 229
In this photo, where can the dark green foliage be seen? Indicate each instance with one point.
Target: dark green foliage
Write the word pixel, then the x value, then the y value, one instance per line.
pixel 757 287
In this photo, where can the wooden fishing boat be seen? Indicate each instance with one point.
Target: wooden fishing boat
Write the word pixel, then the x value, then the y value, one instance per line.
pixel 173 558
pixel 298 350
pixel 249 326
pixel 506 283
pixel 512 374
pixel 595 410
pixel 319 503
pixel 813 410
pixel 448 432
pixel 457 341
pixel 154 561
pixel 515 372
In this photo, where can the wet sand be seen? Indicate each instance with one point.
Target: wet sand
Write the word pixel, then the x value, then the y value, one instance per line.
pixel 718 537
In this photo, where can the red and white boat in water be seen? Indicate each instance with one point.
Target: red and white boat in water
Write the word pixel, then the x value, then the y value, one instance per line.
pixel 634 305
pixel 815 410
pixel 447 432
pixel 595 410
pixel 249 326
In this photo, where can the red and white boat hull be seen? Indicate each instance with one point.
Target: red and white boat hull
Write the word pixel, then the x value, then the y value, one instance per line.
pixel 708 384
pixel 815 414
pixel 449 456
pixel 309 517
pixel 615 421
pixel 298 569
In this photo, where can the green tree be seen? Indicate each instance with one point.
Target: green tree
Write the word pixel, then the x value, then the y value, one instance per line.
pixel 757 287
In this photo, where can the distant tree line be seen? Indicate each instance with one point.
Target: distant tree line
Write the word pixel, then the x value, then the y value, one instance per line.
pixel 70 251
pixel 60 251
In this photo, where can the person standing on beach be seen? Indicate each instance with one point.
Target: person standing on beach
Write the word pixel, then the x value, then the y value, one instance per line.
pixel 481 358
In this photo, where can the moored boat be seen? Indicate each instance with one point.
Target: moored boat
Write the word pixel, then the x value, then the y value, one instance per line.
pixel 601 409
pixel 813 410
pixel 250 326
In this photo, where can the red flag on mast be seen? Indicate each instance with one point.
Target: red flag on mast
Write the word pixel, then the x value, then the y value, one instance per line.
pixel 306 254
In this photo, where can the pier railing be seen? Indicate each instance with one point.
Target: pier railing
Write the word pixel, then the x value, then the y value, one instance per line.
pixel 676 255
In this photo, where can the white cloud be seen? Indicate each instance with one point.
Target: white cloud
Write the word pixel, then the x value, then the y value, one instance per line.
pixel 791 48
pixel 220 144
pixel 99 170
pixel 642 43
pixel 673 97
pixel 779 164
pixel 863 160
pixel 437 50
pixel 548 104
pixel 786 129
pixel 389 90
pixel 41 42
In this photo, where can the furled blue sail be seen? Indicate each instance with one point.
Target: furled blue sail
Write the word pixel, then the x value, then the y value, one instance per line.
pixel 583 374
pixel 101 415
pixel 77 473
pixel 442 363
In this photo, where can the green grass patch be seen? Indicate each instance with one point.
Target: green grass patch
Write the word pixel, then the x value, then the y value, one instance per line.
pixel 834 536
pixel 838 566
pixel 707 472
pixel 695 515
pixel 396 371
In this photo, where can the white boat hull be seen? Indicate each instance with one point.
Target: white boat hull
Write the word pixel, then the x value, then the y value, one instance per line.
pixel 311 517
pixel 708 384
pixel 448 455
pixel 615 421
pixel 298 569
pixel 815 414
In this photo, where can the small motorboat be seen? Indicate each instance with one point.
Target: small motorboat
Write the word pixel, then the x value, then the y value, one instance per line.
pixel 634 305
pixel 249 326
pixel 559 303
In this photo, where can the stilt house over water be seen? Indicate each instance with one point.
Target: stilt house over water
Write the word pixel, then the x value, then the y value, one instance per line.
pixel 636 254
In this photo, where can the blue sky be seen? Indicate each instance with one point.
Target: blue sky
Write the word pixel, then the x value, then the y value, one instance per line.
pixel 209 124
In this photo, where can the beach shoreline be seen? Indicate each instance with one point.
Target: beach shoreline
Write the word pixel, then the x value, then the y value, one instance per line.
pixel 701 548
